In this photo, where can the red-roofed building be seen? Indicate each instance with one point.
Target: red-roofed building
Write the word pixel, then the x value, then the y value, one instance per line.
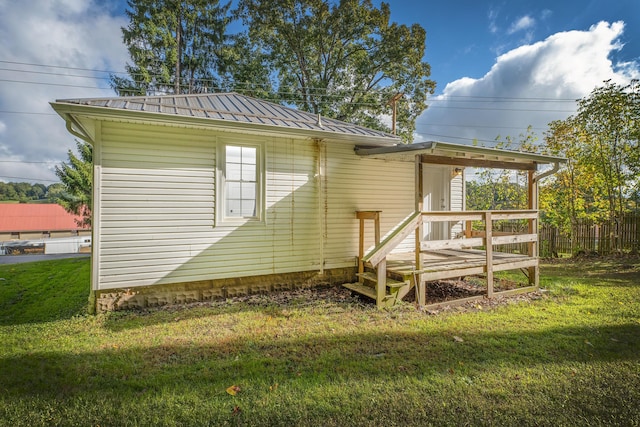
pixel 23 221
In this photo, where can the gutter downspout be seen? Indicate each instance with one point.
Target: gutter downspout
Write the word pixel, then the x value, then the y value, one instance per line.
pixel 322 199
pixel 554 169
pixel 69 123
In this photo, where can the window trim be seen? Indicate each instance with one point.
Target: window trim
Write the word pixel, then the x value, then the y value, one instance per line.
pixel 221 197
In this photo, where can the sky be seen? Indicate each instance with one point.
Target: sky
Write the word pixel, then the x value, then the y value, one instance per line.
pixel 499 67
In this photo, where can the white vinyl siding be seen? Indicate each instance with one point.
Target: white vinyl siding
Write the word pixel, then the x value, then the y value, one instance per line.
pixel 157 216
pixel 358 184
pixel 157 186
pixel 158 210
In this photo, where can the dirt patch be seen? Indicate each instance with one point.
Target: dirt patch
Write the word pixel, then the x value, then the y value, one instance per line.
pixel 440 291
pixel 455 289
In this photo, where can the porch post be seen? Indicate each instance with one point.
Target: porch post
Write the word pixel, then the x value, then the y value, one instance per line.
pixel 488 234
pixel 419 206
pixel 360 249
pixel 534 272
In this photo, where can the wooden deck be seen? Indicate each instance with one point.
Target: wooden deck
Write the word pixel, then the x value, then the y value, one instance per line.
pixel 449 263
pixel 387 276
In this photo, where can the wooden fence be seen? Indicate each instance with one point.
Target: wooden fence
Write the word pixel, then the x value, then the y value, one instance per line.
pixel 585 237
pixel 588 237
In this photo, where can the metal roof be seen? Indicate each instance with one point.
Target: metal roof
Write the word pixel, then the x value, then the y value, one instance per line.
pixel 20 217
pixel 461 152
pixel 234 108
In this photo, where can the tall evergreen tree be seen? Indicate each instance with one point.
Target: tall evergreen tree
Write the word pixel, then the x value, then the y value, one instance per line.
pixel 176 46
pixel 77 178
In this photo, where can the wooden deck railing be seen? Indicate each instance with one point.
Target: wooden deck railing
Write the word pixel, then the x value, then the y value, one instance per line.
pixel 486 237
pixel 377 256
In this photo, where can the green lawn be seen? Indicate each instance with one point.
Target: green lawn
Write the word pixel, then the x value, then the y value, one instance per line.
pixel 569 357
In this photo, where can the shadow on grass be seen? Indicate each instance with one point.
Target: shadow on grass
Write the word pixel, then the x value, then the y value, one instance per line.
pixel 313 361
pixel 618 273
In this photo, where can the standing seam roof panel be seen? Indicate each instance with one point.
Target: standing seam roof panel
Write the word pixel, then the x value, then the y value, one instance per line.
pixel 232 107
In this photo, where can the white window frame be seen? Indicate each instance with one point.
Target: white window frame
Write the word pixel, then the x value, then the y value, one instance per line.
pixel 221 188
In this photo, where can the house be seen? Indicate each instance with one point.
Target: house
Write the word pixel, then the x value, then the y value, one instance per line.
pixel 28 221
pixel 216 195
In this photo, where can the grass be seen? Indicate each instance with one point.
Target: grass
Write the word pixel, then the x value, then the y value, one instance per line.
pixel 571 357
pixel 43 291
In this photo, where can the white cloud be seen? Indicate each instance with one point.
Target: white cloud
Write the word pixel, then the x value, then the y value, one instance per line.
pixel 531 85
pixel 80 34
pixel 493 17
pixel 524 23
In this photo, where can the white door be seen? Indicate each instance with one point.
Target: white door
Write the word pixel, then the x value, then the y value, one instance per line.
pixel 436 181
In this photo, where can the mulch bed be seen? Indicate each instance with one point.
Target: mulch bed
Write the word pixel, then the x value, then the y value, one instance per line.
pixel 454 289
pixel 439 291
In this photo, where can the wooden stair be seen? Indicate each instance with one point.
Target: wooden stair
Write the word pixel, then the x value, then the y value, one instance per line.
pixel 395 290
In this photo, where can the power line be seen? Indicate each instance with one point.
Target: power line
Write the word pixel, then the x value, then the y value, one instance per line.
pixel 29 162
pixel 62 67
pixel 54 74
pixel 27 112
pixel 528 110
pixel 55 84
pixel 321 103
pixel 425 125
pixel 29 179
pixel 445 98
pixel 505 98
pixel 465 138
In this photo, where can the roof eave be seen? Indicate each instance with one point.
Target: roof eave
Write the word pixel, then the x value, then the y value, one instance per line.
pixel 456 150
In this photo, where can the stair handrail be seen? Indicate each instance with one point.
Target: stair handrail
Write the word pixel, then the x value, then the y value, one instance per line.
pixel 393 239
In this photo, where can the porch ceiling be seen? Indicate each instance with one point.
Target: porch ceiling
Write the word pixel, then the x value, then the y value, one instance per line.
pixel 460 155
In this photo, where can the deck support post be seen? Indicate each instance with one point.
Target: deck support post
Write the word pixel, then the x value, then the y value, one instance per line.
pixel 488 230
pixel 381 285
pixel 362 216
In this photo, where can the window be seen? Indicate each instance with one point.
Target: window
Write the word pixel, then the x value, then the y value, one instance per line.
pixel 240 182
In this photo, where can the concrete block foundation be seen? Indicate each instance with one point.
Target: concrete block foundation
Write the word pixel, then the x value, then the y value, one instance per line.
pixel 216 289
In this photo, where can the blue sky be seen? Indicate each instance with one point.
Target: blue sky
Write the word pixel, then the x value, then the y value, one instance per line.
pixel 499 66
pixel 465 37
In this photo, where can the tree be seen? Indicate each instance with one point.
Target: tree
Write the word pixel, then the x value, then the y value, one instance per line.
pixel 77 178
pixel 342 59
pixel 606 121
pixel 177 46
pixel 601 143
pixel 8 191
pixel 502 188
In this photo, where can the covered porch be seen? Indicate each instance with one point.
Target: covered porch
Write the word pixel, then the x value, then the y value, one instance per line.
pixel 387 274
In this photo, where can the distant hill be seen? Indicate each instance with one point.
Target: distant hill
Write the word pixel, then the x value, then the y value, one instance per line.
pixel 24 192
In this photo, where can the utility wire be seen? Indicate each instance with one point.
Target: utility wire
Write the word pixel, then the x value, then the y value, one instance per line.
pixel 204 82
pixel 21 161
pixel 27 112
pixel 62 67
pixel 54 74
pixel 28 179
pixel 55 84
pixel 321 103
